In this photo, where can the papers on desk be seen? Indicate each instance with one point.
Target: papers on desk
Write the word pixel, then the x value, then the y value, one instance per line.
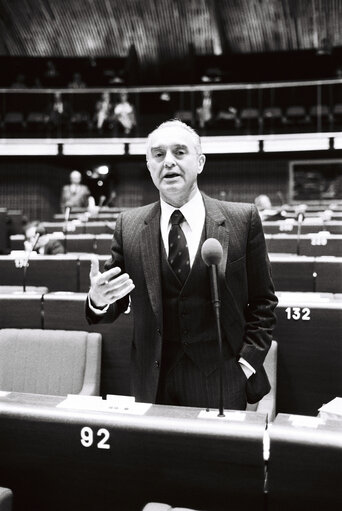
pixel 332 410
pixel 3 393
pixel 113 404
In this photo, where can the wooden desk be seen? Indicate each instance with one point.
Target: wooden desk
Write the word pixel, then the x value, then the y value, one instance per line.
pixel 167 454
pixel 305 467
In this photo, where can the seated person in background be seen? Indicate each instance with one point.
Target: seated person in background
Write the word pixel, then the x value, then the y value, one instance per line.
pixel 75 194
pixel 124 113
pixel 45 244
pixel 76 82
pixel 266 212
pixel 103 109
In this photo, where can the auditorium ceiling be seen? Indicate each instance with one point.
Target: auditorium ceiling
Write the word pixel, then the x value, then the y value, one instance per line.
pixel 164 30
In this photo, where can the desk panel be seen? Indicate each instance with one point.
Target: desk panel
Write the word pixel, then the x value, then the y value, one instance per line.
pixel 310 245
pixel 58 272
pixel 103 243
pixel 308 333
pixel 21 310
pixel 66 311
pixel 334 227
pixel 166 455
pixel 329 274
pixel 292 273
pixel 305 467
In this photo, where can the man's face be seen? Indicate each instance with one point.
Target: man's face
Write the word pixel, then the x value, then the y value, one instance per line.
pixel 174 164
pixel 75 178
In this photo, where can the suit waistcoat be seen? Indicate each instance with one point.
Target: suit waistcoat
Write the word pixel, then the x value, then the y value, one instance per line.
pixel 187 310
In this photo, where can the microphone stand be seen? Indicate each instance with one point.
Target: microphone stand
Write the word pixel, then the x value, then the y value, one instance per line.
pixel 65 227
pixel 299 230
pixel 27 261
pixel 217 309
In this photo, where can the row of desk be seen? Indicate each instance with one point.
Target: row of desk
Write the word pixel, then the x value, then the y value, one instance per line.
pixel 93 226
pixel 308 333
pixel 70 272
pixel 91 456
pixel 315 244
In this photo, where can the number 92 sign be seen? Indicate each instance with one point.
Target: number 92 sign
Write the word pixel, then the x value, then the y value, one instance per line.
pixel 100 438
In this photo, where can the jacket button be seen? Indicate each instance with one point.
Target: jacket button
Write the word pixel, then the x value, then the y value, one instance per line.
pixel 156 363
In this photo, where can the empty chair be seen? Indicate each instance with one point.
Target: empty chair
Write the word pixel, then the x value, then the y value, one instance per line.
pixel 272 117
pixel 14 121
pixel 320 113
pixel 296 114
pixel 80 122
pixel 6 498
pixel 249 118
pixel 337 113
pixel 53 362
pixel 184 115
pixel 36 121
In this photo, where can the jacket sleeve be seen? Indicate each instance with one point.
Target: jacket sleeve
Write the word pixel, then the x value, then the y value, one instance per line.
pixel 260 316
pixel 116 259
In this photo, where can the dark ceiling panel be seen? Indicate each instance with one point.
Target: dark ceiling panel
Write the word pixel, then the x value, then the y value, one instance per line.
pixel 163 30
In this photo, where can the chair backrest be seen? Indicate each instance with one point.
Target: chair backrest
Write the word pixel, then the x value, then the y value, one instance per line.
pixel 6 498
pixel 54 362
pixel 268 403
pixel 159 506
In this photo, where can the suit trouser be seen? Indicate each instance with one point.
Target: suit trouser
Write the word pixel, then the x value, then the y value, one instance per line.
pixel 183 383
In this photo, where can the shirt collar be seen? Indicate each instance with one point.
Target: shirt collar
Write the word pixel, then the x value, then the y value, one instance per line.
pixel 190 210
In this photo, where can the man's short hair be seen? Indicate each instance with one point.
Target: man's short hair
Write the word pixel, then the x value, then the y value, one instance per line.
pixel 177 123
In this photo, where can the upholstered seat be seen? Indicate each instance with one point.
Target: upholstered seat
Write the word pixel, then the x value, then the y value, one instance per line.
pixel 54 362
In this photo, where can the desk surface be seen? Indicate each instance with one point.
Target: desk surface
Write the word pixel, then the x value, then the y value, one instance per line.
pixel 167 454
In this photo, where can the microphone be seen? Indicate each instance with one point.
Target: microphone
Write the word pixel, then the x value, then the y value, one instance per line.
pixel 212 254
pixel 40 231
pixel 65 226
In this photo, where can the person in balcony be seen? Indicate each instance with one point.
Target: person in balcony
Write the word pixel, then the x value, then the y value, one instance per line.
pixel 124 114
pixel 103 109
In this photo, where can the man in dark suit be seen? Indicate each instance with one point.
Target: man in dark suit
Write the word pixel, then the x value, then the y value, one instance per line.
pixel 75 194
pixel 156 259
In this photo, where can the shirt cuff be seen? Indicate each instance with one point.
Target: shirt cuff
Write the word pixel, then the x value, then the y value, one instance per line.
pixel 246 367
pixel 97 311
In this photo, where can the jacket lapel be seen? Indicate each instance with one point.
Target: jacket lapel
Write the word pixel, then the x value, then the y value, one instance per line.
pixel 216 228
pixel 150 250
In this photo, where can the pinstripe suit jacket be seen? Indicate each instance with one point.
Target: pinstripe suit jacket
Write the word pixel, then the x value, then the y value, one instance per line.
pixel 246 288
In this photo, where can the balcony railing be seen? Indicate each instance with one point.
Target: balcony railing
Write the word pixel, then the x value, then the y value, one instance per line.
pixel 217 109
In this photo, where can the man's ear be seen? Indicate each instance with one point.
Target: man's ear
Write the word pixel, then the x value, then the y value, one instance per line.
pixel 148 165
pixel 201 162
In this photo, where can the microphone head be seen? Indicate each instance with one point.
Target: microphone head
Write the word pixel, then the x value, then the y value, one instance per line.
pixel 212 252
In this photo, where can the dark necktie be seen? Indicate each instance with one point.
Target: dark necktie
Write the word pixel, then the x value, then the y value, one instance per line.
pixel 178 249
